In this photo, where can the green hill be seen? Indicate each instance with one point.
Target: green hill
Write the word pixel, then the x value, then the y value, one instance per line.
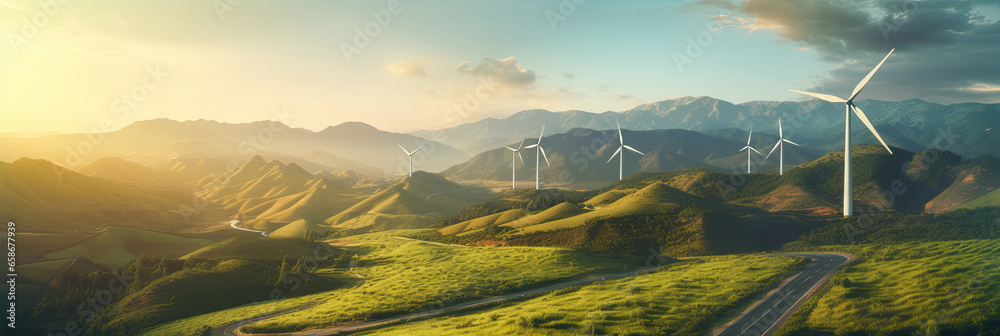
pixel 42 197
pixel 118 169
pixel 297 229
pixel 416 201
pixel 117 246
pixel 254 247
pixel 267 192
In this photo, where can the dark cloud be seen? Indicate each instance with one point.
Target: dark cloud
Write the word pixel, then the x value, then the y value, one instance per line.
pixel 505 71
pixel 946 51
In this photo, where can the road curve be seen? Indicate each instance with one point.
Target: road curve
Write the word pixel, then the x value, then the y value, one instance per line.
pixel 768 314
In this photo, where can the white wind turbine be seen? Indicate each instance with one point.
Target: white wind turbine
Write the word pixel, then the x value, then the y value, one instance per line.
pixel 513 163
pixel 848 206
pixel 781 153
pixel 410 155
pixel 539 149
pixel 621 159
pixel 748 148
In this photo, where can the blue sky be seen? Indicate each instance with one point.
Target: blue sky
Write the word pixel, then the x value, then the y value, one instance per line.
pixel 239 64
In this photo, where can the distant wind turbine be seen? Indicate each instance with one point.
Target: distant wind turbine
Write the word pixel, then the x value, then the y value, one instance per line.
pixel 848 206
pixel 621 159
pixel 513 163
pixel 410 155
pixel 539 149
pixel 781 153
pixel 748 148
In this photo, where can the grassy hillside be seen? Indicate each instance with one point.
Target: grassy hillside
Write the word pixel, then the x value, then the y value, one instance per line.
pixel 938 288
pixel 118 169
pixel 43 197
pixel 414 202
pixel 301 229
pixel 263 192
pixel 253 247
pixel 117 246
pixel 402 276
pixel 899 227
pixel 33 247
pixel 681 299
pixel 991 199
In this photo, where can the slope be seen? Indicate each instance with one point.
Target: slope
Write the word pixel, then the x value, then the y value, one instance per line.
pixel 415 201
pixel 118 169
pixel 117 246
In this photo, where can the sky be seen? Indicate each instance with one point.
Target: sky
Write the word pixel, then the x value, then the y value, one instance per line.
pixel 403 65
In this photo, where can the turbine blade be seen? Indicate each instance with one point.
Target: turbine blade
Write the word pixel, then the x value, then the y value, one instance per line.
pixel 540 135
pixel 531 146
pixel 755 150
pixel 415 150
pixel 520 157
pixel 620 139
pixel 521 145
pixel 404 149
pixel 789 141
pixel 826 97
pixel 772 150
pixel 861 85
pixel 514 150
pixel 780 134
pixel 864 119
pixel 749 136
pixel 633 149
pixel 613 155
pixel 744 148
pixel 546 157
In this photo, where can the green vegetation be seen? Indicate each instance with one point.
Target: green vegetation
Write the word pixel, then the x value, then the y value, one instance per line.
pixel 898 227
pixel 404 275
pixel 255 247
pixel 116 246
pixel 992 199
pixel 684 298
pixel 937 288
pixel 301 229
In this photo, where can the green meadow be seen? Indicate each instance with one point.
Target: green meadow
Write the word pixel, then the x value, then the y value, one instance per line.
pixel 937 288
pixel 400 276
pixel 684 298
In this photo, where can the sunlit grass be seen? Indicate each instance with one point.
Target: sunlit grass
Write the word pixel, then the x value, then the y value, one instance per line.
pixel 907 288
pixel 685 298
pixel 401 276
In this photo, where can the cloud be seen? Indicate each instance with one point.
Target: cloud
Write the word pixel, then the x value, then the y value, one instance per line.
pixel 505 71
pixel 943 47
pixel 623 97
pixel 568 76
pixel 416 68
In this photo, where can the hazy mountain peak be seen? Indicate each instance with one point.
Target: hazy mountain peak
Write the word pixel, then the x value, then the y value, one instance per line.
pixel 351 126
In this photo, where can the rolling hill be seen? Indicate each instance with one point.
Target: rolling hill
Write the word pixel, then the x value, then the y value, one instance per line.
pixel 117 246
pixel 581 155
pixel 43 197
pixel 415 201
pixel 118 169
pixel 268 194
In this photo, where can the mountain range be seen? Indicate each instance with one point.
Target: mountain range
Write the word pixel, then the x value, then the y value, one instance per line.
pixel 914 125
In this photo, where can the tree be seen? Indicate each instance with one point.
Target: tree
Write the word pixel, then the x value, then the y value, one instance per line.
pixel 283 272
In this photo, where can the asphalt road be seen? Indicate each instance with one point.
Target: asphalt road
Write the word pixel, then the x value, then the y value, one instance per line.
pixel 767 315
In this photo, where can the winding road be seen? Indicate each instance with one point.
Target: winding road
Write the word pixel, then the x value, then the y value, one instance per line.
pixel 760 320
pixel 233 223
pixel 768 314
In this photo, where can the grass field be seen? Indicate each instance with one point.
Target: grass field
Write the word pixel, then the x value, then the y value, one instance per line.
pixel 683 299
pixel 118 245
pixel 939 288
pixel 401 276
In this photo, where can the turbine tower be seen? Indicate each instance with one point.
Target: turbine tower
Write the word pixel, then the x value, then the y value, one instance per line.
pixel 513 180
pixel 539 149
pixel 748 148
pixel 621 159
pixel 410 154
pixel 848 206
pixel 781 153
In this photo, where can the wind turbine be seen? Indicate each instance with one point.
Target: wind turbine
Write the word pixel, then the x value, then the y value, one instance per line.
pixel 748 148
pixel 621 159
pixel 848 206
pixel 539 149
pixel 781 153
pixel 410 154
pixel 513 181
